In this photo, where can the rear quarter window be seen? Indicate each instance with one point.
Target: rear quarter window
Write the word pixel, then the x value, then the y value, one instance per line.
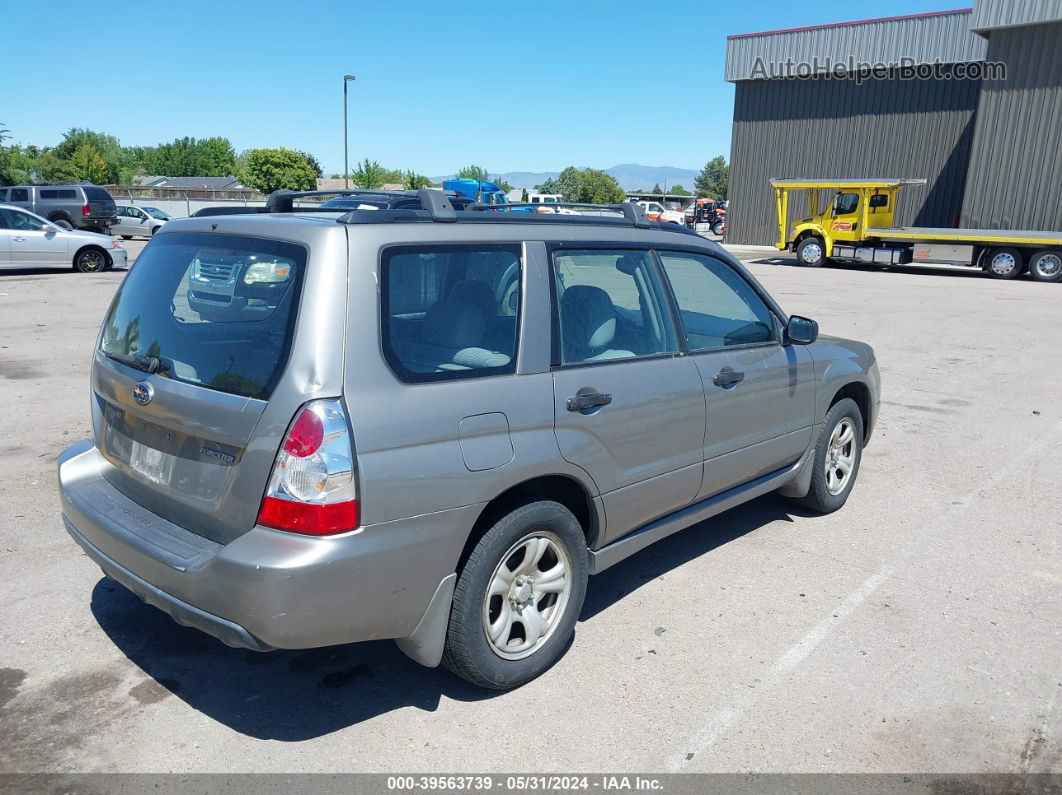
pixel 450 311
pixel 217 310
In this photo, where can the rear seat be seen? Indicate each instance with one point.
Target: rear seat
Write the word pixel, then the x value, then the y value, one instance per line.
pixel 452 337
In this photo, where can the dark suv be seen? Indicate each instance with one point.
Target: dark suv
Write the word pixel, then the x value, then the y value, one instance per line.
pixel 86 207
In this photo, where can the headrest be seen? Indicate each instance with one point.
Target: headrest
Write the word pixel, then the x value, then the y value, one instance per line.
pixel 454 323
pixel 588 316
pixel 478 293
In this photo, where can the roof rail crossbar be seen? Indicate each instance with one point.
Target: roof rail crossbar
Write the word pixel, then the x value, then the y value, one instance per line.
pixel 437 204
pixel 283 201
pixel 634 213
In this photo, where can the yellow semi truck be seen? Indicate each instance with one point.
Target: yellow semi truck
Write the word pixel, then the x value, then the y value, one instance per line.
pixel 856 222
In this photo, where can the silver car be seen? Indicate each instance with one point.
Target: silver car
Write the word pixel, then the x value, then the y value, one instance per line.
pixel 29 241
pixel 433 425
pixel 136 221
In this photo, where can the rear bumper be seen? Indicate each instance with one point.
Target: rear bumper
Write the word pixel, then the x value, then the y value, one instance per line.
pixel 265 589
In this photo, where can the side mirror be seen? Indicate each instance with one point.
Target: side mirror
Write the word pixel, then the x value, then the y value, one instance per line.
pixel 801 331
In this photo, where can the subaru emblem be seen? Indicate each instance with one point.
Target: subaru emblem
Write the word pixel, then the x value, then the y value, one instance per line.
pixel 143 392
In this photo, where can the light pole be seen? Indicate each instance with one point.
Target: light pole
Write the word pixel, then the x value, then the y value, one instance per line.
pixel 346 165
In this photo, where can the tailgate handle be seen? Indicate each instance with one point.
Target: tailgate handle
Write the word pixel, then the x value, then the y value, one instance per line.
pixel 589 400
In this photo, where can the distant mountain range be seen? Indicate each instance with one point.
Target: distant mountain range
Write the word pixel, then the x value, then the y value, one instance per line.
pixel 630 176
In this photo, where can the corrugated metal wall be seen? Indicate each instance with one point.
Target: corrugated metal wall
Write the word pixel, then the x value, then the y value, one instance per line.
pixel 924 38
pixel 1015 175
pixel 836 128
pixel 1003 13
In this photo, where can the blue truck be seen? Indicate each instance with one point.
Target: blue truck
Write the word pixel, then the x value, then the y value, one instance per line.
pixel 481 191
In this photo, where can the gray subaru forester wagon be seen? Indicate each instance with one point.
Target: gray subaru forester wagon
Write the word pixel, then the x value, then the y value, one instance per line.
pixel 432 425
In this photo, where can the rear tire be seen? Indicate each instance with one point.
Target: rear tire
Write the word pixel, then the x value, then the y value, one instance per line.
pixel 1046 266
pixel 1004 263
pixel 811 251
pixel 62 223
pixel 838 451
pixel 518 597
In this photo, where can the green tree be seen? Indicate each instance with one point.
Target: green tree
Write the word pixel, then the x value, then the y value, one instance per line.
pixel 600 187
pixel 189 157
pixel 313 162
pixel 369 174
pixel 473 172
pixel 569 184
pixel 657 188
pixel 88 164
pixel 714 179
pixel 106 146
pixel 268 170
pixel 6 157
pixel 50 169
pixel 548 186
pixel 679 190
pixel 414 181
pixel 523 196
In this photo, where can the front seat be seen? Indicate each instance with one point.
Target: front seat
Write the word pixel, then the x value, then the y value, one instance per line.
pixel 588 323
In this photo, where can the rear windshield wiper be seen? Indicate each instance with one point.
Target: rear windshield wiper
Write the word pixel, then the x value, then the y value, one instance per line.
pixel 149 364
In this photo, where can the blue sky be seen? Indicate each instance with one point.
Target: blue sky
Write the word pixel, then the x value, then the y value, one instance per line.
pixel 528 85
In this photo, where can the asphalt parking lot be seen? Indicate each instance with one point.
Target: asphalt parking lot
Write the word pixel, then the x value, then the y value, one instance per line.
pixel 919 629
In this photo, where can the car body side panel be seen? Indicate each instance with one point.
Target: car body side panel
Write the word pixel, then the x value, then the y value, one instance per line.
pixel 839 362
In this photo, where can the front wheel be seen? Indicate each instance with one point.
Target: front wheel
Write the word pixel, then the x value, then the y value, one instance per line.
pixel 518 597
pixel 717 228
pixel 90 260
pixel 811 251
pixel 838 451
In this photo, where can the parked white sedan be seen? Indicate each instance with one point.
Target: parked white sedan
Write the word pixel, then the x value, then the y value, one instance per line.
pixel 29 241
pixel 138 221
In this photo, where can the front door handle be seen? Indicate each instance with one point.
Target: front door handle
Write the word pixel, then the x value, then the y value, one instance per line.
pixel 727 378
pixel 589 400
pixel 18 239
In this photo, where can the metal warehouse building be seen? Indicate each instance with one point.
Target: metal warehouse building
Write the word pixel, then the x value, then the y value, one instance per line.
pixel 982 122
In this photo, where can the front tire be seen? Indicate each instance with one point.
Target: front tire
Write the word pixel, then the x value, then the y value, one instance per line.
pixel 838 451
pixel 811 251
pixel 518 597
pixel 90 260
pixel 717 228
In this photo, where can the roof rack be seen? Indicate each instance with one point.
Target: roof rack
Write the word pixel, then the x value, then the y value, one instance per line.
pixel 634 213
pixel 283 201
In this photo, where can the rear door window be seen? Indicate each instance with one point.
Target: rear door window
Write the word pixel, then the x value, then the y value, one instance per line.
pixel 217 310
pixel 450 311
pixel 20 194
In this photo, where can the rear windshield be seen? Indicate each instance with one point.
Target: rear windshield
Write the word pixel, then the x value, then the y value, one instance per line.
pixel 217 310
pixel 96 194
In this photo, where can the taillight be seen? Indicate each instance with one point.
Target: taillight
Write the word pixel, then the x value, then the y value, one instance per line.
pixel 311 488
pixel 85 210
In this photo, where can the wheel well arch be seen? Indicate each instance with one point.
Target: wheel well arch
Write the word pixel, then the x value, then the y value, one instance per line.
pixel 95 246
pixel 860 394
pixel 564 489
pixel 806 233
pixel 59 215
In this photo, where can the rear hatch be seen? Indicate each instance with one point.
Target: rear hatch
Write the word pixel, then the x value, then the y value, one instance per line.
pixel 191 349
pixel 100 202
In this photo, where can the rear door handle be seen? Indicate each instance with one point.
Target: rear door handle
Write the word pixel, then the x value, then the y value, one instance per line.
pixel 728 378
pixel 588 401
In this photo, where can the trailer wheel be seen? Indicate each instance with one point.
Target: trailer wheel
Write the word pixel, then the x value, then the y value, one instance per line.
pixel 1004 263
pixel 811 251
pixel 1046 266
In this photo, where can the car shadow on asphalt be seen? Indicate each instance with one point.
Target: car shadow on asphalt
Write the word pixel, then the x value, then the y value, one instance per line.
pixel 299 695
pixel 658 559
